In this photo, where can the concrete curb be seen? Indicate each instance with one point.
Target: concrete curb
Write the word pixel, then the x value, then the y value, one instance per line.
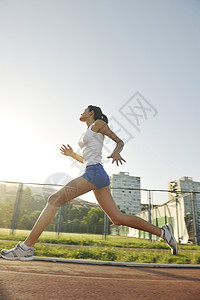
pixel 115 263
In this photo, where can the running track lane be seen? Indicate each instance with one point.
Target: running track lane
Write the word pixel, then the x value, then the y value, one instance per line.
pixel 49 280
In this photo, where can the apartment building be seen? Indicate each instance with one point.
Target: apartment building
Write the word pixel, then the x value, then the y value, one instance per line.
pixel 125 190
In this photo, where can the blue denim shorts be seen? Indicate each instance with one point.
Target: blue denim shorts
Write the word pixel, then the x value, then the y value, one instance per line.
pixel 96 175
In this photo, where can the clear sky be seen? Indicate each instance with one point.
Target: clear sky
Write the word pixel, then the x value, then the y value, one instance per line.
pixel 59 56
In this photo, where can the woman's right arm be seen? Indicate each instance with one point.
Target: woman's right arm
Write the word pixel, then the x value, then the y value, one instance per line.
pixel 69 152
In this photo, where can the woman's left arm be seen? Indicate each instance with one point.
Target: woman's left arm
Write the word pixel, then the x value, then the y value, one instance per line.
pixel 102 127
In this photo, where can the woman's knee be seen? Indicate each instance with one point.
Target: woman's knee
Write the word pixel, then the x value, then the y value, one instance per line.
pixel 54 200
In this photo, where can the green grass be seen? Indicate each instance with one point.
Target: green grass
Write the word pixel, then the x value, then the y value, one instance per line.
pixel 93 247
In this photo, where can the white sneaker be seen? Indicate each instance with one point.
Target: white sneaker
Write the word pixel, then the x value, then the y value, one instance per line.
pixel 170 239
pixel 17 253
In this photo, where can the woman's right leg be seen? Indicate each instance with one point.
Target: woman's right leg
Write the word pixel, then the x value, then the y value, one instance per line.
pixel 105 199
pixel 73 189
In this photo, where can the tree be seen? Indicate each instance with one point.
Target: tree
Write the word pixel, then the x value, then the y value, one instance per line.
pixel 6 213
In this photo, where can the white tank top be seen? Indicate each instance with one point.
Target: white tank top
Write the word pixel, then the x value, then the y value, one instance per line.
pixel 91 144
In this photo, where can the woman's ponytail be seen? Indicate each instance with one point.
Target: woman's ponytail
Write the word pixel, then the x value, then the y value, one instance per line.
pixel 104 118
pixel 98 115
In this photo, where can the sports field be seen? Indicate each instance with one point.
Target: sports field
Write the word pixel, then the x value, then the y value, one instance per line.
pixel 65 280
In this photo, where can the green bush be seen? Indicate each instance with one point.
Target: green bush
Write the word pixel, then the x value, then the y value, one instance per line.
pixel 92 247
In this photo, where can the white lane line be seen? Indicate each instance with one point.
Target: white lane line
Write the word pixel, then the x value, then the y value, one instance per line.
pixel 98 278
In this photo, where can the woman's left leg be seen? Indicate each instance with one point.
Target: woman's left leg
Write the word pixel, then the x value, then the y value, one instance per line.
pixel 73 189
pixel 107 203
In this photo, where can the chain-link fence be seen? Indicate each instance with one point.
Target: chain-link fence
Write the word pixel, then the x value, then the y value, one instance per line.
pixel 22 203
pixel 182 212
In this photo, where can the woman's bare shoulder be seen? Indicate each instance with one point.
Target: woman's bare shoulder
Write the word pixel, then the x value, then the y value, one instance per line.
pixel 99 126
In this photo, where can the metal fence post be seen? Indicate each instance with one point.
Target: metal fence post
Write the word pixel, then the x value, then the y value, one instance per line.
pixel 197 218
pixel 16 208
pixel 105 225
pixel 150 234
pixel 177 219
pixel 59 220
pixel 194 218
pixel 165 213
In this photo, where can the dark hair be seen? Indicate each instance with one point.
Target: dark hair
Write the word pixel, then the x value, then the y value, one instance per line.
pixel 98 113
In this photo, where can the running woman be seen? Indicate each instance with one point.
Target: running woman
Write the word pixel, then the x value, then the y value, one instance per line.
pixel 94 179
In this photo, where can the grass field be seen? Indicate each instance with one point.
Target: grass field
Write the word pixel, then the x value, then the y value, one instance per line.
pixel 90 246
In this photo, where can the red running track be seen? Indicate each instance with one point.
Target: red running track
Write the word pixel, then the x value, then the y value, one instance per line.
pixel 50 280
